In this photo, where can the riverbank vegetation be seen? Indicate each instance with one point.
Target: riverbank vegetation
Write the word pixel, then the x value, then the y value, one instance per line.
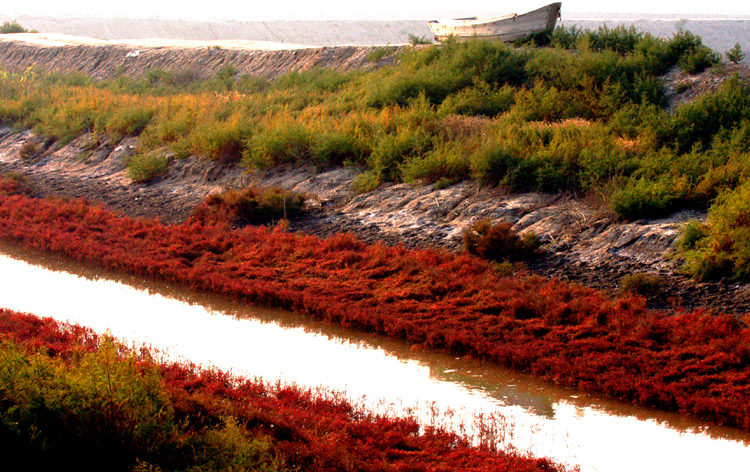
pixel 585 113
pixel 694 363
pixel 10 27
pixel 70 399
pixel 250 206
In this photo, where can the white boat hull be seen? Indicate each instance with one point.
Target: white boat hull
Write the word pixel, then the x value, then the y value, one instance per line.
pixel 505 28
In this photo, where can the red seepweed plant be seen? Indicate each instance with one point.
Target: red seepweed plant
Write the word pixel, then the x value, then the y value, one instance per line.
pixel 694 363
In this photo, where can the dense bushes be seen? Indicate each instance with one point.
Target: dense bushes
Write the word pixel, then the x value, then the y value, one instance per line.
pixel 9 27
pixel 583 114
pixel 694 363
pixel 96 408
pixel 71 400
pixel 723 247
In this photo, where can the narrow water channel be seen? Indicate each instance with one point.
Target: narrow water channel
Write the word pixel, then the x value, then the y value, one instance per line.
pixel 381 374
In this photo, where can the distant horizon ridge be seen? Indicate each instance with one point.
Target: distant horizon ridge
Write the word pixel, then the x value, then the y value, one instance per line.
pixel 575 15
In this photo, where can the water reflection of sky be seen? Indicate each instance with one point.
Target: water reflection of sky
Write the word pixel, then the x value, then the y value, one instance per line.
pixel 373 371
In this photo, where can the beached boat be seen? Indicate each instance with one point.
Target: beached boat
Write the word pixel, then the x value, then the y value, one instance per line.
pixel 506 28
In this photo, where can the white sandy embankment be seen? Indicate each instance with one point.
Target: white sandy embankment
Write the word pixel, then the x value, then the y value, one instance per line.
pixel 719 32
pixel 62 39
pixel 106 58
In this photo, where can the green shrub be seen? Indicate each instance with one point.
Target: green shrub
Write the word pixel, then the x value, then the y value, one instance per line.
pixel 492 162
pixel 645 198
pixel 681 43
pixel 535 39
pixel 688 50
pixel 544 103
pixel 443 161
pixel 286 142
pixel 601 162
pixel 229 447
pixel 725 248
pixel 366 182
pixel 333 148
pixel 437 72
pixel 699 60
pixel 172 127
pixel 378 54
pixel 247 84
pixel 696 123
pixel 499 242
pixel 316 79
pixel 402 90
pixel 479 99
pixel 652 55
pixel 88 408
pixel 129 121
pixel 705 264
pixel 99 409
pixel 222 140
pixel 619 39
pixel 565 37
pixel 635 120
pixel 391 150
pixel 415 40
pixel 692 234
pixel 12 27
pixel 143 167
pixel 735 55
pixel 225 77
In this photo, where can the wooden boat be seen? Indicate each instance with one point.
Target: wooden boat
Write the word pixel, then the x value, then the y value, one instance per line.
pixel 505 28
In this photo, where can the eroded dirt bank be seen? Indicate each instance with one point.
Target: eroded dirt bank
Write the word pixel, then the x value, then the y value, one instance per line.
pixel 583 242
pixel 102 59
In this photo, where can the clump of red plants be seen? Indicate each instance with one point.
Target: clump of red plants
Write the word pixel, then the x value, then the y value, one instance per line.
pixel 695 363
pixel 127 411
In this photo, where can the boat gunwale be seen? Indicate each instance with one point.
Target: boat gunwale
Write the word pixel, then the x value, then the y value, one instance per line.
pixel 465 27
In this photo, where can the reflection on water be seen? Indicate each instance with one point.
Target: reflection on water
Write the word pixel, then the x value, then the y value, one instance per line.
pixel 372 371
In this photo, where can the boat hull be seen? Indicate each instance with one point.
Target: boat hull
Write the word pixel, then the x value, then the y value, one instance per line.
pixel 506 28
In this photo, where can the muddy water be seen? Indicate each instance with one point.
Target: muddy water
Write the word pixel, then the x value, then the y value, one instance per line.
pixel 471 397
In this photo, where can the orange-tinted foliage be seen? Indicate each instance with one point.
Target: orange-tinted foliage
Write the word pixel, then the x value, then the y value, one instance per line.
pixel 693 363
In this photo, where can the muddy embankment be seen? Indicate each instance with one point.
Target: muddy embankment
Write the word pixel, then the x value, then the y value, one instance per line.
pixel 583 241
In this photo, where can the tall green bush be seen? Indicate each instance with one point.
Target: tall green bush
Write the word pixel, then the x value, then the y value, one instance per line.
pixel 735 54
pixel 722 248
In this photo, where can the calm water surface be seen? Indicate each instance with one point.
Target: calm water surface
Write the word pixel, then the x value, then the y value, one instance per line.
pixel 471 397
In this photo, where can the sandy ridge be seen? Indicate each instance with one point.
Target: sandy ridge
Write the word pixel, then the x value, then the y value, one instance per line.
pixel 55 52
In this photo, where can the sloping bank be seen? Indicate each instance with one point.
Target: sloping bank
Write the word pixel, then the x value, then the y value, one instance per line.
pixel 693 363
pixel 106 59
